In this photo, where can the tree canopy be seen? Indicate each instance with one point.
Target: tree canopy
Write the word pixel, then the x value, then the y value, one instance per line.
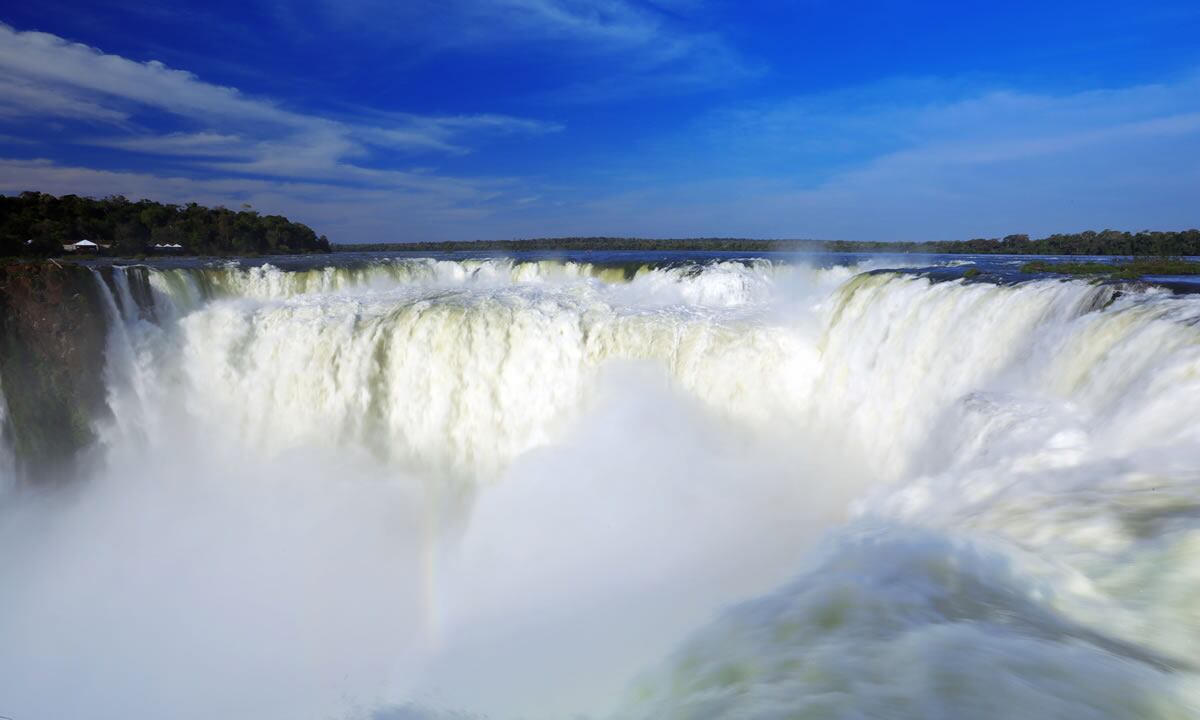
pixel 1107 242
pixel 39 224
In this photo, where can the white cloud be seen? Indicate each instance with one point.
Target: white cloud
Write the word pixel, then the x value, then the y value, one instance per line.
pixel 227 147
pixel 201 144
pixel 616 48
pixel 23 99
pixel 905 114
pixel 72 69
pixel 878 164
pixel 604 24
pixel 47 76
pixel 654 54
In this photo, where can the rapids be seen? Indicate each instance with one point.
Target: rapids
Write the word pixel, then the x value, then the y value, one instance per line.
pixel 437 488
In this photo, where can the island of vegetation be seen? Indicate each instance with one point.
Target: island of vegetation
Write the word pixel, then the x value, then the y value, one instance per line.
pixel 35 224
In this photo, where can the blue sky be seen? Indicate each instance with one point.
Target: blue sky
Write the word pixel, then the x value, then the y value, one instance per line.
pixel 464 119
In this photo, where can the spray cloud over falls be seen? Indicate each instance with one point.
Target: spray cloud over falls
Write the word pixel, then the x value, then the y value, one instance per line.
pixel 417 488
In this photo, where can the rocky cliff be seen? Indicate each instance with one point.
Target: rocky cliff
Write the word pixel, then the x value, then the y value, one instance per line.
pixel 52 345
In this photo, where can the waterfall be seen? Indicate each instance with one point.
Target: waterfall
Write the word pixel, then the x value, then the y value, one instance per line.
pixel 726 489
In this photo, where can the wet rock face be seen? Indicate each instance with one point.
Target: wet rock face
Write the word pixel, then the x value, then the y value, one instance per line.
pixel 52 344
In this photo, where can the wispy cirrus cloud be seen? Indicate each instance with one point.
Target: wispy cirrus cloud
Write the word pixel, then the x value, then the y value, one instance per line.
pixel 48 76
pixel 179 144
pixel 916 160
pixel 661 54
pixel 901 114
pixel 654 51
pixel 75 71
pixel 605 25
pixel 616 49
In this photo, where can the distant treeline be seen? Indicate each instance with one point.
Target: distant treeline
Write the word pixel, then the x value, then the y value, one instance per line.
pixel 1107 242
pixel 1089 242
pixel 38 225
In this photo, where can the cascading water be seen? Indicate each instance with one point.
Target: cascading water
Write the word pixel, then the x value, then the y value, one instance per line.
pixel 425 487
pixel 452 367
pixel 1036 554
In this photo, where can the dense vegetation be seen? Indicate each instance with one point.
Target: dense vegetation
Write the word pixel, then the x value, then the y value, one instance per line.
pixel 1108 242
pixel 38 224
pixel 1127 270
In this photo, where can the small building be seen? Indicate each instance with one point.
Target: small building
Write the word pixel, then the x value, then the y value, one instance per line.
pixel 86 246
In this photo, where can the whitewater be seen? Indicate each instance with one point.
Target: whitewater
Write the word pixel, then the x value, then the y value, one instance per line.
pixel 430 488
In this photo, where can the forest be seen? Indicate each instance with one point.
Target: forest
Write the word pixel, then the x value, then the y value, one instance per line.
pixel 35 224
pixel 1106 242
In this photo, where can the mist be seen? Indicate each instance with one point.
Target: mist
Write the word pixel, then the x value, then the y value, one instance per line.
pixel 192 583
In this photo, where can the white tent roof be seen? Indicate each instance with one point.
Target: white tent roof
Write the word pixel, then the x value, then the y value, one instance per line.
pixel 86 243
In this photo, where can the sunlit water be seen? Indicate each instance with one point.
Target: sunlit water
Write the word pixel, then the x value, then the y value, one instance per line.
pixel 723 488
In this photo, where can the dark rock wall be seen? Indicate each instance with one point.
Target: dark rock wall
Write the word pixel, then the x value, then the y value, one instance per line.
pixel 52 344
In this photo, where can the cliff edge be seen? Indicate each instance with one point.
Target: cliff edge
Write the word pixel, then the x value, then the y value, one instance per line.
pixel 52 346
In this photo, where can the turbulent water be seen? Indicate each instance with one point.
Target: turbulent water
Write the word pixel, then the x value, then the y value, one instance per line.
pixel 433 488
